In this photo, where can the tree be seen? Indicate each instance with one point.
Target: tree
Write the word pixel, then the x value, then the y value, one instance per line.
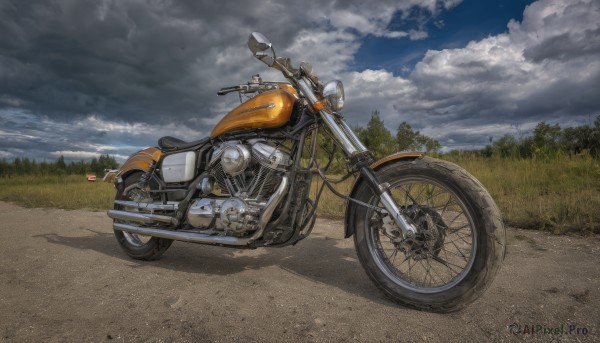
pixel 5 168
pixel 106 162
pixel 506 146
pixel 575 140
pixel 409 139
pixel 432 145
pixel 546 136
pixel 18 166
pixel 94 166
pixel 377 138
pixel 60 163
pixel 595 148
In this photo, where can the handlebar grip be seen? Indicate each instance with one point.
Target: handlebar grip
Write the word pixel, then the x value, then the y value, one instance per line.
pixel 226 90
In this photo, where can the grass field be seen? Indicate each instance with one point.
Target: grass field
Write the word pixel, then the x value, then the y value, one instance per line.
pixel 68 192
pixel 558 195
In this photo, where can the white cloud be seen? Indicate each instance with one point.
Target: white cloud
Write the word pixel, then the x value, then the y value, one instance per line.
pixel 518 77
pixel 88 137
pixel 5 154
pixel 83 155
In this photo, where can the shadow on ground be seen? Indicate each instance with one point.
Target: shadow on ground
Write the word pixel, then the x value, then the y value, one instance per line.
pixel 318 259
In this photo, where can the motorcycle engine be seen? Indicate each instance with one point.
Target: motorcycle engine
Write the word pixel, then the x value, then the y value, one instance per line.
pixel 248 172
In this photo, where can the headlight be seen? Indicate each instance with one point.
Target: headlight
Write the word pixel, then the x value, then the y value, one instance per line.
pixel 333 92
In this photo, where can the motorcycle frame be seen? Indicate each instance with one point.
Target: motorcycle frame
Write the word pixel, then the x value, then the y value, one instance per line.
pixel 314 117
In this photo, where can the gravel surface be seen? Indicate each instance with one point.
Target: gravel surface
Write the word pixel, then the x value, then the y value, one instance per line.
pixel 64 278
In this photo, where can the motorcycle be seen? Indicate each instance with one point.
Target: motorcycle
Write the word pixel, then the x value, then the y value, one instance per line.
pixel 427 233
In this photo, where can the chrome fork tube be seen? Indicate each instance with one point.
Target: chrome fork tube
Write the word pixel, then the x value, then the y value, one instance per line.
pixel 408 229
pixel 359 145
pixel 351 145
pixel 348 142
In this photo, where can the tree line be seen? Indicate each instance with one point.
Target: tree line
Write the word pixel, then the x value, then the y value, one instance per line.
pixel 25 166
pixel 546 141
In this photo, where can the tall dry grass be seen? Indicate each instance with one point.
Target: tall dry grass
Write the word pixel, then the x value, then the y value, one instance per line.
pixel 68 192
pixel 557 195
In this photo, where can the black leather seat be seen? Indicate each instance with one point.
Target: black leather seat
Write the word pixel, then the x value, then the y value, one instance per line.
pixel 169 143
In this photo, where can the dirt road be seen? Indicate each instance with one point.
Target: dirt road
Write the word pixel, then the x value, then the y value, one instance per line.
pixel 63 278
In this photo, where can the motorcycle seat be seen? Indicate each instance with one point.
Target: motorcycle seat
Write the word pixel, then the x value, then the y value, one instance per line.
pixel 169 143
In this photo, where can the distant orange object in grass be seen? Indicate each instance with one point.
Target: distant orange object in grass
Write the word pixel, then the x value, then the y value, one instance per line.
pixel 91 177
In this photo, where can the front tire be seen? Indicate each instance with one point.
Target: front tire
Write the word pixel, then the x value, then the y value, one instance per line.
pixel 460 245
pixel 136 246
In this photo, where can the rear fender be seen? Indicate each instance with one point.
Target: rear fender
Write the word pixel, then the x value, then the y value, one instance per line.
pixel 351 206
pixel 140 161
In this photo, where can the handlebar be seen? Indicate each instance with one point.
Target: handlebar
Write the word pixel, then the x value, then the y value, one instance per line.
pixel 226 90
pixel 251 87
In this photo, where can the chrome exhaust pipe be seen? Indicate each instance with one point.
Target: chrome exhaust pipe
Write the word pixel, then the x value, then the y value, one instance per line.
pixel 185 236
pixel 170 206
pixel 146 218
pixel 196 237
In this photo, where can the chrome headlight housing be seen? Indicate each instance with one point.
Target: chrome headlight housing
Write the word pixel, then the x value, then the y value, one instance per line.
pixel 333 93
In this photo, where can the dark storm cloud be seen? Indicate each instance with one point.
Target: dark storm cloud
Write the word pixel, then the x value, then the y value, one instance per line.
pixel 120 59
pixel 566 46
pixel 87 77
pixel 144 60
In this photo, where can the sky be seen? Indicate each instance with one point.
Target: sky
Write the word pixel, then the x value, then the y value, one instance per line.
pixel 90 77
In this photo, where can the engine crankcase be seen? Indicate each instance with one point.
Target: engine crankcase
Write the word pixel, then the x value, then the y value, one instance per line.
pixel 228 214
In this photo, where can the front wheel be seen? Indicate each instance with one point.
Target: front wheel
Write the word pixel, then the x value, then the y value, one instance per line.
pixel 459 246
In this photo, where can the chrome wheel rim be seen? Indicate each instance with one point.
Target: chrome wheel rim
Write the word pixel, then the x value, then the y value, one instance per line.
pixel 446 250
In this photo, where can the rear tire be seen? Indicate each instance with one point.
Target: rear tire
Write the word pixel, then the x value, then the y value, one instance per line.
pixel 136 246
pixel 480 242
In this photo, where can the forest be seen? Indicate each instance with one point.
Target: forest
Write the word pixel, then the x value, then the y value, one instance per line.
pixel 25 166
pixel 546 141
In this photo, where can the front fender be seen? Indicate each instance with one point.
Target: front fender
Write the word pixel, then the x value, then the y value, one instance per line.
pixel 351 206
pixel 141 160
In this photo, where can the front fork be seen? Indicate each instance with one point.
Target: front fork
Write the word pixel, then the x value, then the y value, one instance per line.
pixel 408 228
pixel 355 150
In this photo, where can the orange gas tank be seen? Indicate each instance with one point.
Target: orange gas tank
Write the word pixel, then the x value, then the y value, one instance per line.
pixel 267 110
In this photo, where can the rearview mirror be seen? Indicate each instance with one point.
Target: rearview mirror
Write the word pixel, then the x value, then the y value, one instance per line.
pixel 258 42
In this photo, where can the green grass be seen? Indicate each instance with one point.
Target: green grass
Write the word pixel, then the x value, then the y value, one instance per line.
pixel 556 195
pixel 68 192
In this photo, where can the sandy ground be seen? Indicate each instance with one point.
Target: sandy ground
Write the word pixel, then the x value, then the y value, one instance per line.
pixel 63 278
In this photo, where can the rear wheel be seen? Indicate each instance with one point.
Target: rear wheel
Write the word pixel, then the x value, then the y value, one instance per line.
pixel 460 242
pixel 139 247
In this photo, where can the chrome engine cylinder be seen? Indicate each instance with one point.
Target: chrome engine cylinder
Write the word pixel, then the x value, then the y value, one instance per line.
pixel 268 156
pixel 235 159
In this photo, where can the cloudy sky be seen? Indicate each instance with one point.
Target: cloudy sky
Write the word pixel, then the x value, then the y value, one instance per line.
pixel 87 77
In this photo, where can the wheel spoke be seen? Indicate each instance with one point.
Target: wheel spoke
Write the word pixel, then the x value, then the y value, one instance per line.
pixel 446 263
pixel 447 237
